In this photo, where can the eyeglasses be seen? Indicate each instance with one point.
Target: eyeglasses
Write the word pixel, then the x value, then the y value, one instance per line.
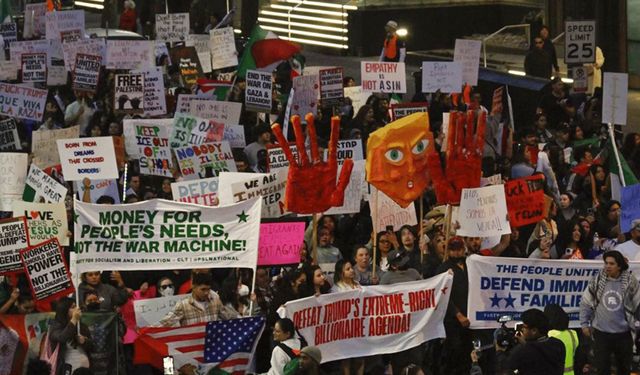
pixel 166 286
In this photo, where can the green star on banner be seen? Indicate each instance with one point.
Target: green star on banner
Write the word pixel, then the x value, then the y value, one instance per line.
pixel 242 218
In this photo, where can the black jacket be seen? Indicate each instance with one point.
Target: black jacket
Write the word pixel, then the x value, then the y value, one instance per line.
pixel 542 356
pixel 61 334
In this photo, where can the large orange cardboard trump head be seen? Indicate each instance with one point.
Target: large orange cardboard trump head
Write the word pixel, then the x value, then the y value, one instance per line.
pixel 397 158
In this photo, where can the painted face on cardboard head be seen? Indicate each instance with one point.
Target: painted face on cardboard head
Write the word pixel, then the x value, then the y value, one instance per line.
pixel 397 158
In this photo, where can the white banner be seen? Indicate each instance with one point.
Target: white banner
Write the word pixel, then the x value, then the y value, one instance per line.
pixel 509 286
pixel 223 48
pixel 373 320
pixel 384 77
pixel 203 191
pixel 93 158
pixel 13 173
pixel 172 27
pixel 239 187
pixel 155 234
pixel 483 212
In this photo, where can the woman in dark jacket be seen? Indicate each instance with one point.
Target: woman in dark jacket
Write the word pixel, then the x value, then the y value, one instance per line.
pixel 74 348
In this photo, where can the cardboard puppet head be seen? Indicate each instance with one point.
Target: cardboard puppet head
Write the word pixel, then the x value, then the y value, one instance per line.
pixel 397 158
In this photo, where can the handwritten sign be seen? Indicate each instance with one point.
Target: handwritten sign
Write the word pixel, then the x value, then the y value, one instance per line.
pixel 149 311
pixel 46 270
pixel 186 58
pixel 86 72
pixel 331 86
pixel 172 27
pixel 258 95
pixel 443 76
pixel 155 103
pixel 353 192
pixel 614 101
pixel 384 77
pixel 630 199
pixel 9 33
pixel 482 212
pixel 234 134
pixel 9 139
pixel 8 70
pixel 34 20
pixel 44 147
pixel 401 110
pixel 154 152
pixel 357 96
pixel 203 191
pixel 280 243
pixel 64 22
pixel 223 48
pixel 206 160
pixel 467 53
pixel 22 102
pixel 98 189
pixel 93 47
pixel 34 67
pixel 239 187
pixel 92 158
pixel 306 92
pixel 130 54
pixel 227 113
pixel 44 221
pixel 525 200
pixel 389 213
pixel 13 172
pixel 39 184
pixel 13 238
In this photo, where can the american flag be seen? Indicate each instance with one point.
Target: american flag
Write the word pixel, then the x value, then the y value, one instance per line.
pixel 227 345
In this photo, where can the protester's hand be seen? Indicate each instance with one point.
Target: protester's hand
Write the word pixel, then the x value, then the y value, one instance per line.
pixel 144 287
pixel 187 369
pixel 545 243
pixel 75 315
pixel 81 339
pixel 375 280
pixel 311 185
pixel 253 297
pixel 117 277
pixel 474 356
pixel 463 320
pixel 462 169
pixel 586 331
pixel 393 239
pixel 15 293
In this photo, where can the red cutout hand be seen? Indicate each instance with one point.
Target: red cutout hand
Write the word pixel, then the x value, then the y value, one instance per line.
pixel 311 186
pixel 463 162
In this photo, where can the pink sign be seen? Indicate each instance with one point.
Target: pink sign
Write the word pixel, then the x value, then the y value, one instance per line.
pixel 280 243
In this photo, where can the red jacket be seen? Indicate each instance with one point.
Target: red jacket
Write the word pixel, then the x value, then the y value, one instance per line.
pixel 128 20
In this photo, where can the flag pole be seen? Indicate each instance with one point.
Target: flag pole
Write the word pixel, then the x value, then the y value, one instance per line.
pixel 374 237
pixel 314 238
pixel 615 152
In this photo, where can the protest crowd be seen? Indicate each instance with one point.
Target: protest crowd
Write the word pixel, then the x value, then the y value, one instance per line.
pixel 158 212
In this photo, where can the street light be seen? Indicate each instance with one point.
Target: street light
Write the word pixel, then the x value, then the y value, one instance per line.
pixel 402 32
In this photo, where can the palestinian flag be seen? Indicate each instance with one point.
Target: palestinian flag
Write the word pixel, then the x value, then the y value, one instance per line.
pixel 265 51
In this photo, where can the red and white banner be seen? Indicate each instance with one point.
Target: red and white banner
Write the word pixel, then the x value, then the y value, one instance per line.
pixel 373 320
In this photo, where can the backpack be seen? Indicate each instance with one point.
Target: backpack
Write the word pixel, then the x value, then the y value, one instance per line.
pixel 292 366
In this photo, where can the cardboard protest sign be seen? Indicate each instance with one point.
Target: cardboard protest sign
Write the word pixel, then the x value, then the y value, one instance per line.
pixel 353 192
pixel 630 202
pixel 13 238
pixel 186 58
pixel 49 47
pixel 129 93
pixel 67 24
pixel 483 212
pixel 150 311
pixel 467 53
pixel 40 185
pixel 9 33
pixel 357 96
pixel 157 233
pixel 525 200
pixel 98 189
pixel 223 48
pixel 227 113
pixel 155 103
pixel 191 130
pixel 401 110
pixel 44 147
pixel 13 172
pixel 239 187
pixel 206 160
pixel 509 286
pixel 496 102
pixel 129 132
pixel 234 134
pixel 86 72
pixel 154 151
pixel 389 213
pixel 92 47
pixel 92 158
pixel 46 270
pixel 280 243
pixel 354 324
pixel 443 76
pixel 203 192
pixel 258 96
pixel 44 221
pixel 331 86
pixel 276 159
pixel 9 70
pixel 200 42
pixel 383 77
pixel 34 20
pixel 614 101
pixel 34 67
pixel 9 139
pixel 130 54
pixel 22 102
pixel 172 27
pixel 306 92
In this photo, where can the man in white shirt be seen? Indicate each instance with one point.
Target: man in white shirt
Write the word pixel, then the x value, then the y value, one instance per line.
pixel 79 113
pixel 631 249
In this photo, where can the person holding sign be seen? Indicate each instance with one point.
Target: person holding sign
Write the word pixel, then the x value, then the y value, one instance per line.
pixel 201 306
pixel 73 347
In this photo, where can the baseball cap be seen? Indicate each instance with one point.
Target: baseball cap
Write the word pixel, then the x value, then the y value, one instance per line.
pixel 456 243
pixel 398 257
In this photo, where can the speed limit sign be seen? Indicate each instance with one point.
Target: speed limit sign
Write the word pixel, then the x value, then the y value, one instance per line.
pixel 579 42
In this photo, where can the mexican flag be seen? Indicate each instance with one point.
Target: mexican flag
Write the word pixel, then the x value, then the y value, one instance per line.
pixel 265 51
pixel 614 168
